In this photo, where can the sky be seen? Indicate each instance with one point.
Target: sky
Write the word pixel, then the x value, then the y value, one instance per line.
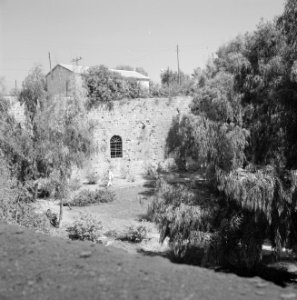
pixel 121 32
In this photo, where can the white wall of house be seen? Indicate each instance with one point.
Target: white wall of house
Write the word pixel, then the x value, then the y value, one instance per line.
pixel 60 81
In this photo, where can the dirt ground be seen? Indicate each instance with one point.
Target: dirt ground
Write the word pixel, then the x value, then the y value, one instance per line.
pixel 35 266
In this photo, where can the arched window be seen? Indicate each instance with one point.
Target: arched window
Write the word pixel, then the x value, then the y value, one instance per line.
pixel 116 147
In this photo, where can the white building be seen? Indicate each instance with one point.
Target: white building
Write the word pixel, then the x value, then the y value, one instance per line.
pixel 61 79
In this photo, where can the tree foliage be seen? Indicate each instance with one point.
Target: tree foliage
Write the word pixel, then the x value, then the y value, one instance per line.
pixel 33 92
pixel 104 86
pixel 55 136
pixel 243 128
pixel 173 84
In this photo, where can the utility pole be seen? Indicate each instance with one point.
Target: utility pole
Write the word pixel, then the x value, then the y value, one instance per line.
pixel 76 60
pixel 50 62
pixel 178 71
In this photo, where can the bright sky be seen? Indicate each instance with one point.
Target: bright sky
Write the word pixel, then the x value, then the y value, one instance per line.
pixel 112 32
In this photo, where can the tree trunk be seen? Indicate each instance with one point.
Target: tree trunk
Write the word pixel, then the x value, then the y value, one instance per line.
pixel 61 213
pixel 35 190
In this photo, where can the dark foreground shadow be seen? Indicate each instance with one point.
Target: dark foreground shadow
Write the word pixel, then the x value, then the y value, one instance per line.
pixel 272 272
pixel 279 276
pixel 269 271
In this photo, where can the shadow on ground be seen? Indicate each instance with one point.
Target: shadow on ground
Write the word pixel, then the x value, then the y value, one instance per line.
pixel 275 273
pixel 269 270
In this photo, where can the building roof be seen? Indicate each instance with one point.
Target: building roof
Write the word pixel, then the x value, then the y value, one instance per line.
pixel 130 74
pixel 83 69
pixel 75 68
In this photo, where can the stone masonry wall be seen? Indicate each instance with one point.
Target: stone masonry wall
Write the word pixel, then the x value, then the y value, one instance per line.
pixel 143 125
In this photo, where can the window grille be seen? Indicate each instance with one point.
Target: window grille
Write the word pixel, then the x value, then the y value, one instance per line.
pixel 116 147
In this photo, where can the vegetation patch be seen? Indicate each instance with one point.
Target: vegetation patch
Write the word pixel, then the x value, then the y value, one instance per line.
pixel 75 184
pixel 85 228
pixel 87 197
pixel 135 234
pixel 92 177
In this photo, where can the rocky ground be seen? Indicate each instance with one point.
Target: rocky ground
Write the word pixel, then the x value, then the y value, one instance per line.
pixel 36 266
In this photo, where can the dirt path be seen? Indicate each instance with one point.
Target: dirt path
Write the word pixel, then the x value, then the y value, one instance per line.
pixel 35 266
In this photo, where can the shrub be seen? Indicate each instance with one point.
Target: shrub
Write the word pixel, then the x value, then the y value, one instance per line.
pixel 230 227
pixel 167 165
pixel 85 228
pixel 92 177
pixel 46 187
pixel 183 217
pixel 151 171
pixel 105 86
pixel 75 184
pixel 15 206
pixel 135 234
pixel 87 197
pixel 26 216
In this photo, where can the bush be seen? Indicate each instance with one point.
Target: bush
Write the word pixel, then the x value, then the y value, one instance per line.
pixel 15 206
pixel 87 197
pixel 46 187
pixel 92 177
pixel 85 228
pixel 105 86
pixel 151 171
pixel 228 228
pixel 167 166
pixel 135 234
pixel 75 184
pixel 26 216
pixel 181 216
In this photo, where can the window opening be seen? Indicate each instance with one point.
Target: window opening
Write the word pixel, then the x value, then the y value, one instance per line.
pixel 116 147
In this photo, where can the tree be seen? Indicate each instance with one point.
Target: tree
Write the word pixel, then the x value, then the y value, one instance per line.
pixel 57 137
pixel 169 77
pixel 246 115
pixel 105 86
pixel 16 154
pixel 171 85
pixel 33 92
pixel 65 140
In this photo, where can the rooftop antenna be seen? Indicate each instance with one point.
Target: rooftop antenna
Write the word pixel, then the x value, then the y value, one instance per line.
pixel 76 60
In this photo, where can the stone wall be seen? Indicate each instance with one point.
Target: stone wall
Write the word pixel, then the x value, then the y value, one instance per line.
pixel 143 125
